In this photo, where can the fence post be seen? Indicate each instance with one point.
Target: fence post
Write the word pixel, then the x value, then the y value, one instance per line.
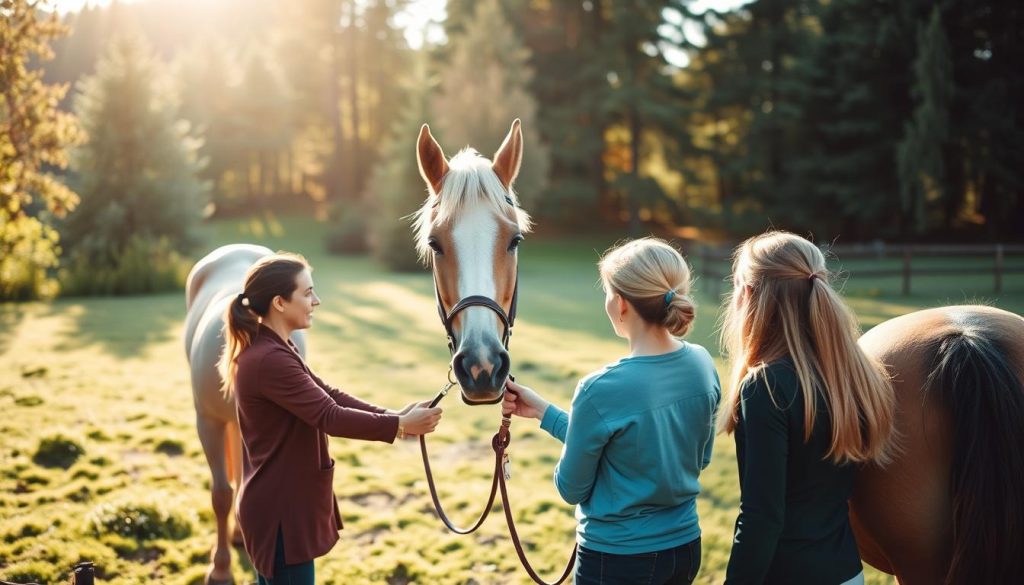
pixel 906 270
pixel 999 268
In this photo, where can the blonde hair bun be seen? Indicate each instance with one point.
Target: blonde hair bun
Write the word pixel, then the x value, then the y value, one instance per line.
pixel 653 276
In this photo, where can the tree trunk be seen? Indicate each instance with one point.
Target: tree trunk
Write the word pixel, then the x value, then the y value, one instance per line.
pixel 356 166
pixel 334 178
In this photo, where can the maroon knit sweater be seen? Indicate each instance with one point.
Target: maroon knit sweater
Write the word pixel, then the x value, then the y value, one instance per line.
pixel 285 413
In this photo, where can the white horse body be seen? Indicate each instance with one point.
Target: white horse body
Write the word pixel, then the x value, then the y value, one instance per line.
pixel 212 283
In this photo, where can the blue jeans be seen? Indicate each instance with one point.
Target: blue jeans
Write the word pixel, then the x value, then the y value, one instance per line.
pixel 674 566
pixel 300 574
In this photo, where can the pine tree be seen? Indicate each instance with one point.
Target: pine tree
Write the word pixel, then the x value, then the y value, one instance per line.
pixel 204 75
pixel 920 155
pixel 485 86
pixel 138 174
pixel 263 113
pixel 395 189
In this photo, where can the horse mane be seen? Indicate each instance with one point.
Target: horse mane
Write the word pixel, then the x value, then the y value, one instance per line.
pixel 470 179
pixel 973 374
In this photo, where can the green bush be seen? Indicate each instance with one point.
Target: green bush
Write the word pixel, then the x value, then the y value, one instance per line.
pixel 149 519
pixel 58 451
pixel 32 572
pixel 29 252
pixel 144 266
pixel 348 231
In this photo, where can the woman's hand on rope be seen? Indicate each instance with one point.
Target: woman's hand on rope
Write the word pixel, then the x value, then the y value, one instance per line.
pixel 420 419
pixel 408 407
pixel 522 401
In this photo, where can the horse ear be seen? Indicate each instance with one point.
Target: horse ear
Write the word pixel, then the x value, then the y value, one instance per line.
pixel 431 160
pixel 509 156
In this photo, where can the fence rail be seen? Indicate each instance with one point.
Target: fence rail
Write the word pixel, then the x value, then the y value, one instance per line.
pixel 715 261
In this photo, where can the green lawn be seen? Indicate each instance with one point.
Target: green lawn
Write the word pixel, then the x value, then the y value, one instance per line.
pixel 110 375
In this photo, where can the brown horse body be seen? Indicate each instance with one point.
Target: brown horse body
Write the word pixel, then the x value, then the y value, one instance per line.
pixel 950 508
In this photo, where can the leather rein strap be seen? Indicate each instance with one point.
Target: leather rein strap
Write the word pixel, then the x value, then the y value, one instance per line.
pixel 500 441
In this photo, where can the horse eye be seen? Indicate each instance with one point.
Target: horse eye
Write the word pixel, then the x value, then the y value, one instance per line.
pixel 516 239
pixel 435 246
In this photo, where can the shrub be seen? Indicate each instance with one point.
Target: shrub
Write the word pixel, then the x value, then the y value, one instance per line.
pixel 148 519
pixel 348 231
pixel 57 451
pixel 144 266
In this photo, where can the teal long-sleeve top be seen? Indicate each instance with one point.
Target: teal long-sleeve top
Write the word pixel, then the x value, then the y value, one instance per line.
pixel 638 434
pixel 794 523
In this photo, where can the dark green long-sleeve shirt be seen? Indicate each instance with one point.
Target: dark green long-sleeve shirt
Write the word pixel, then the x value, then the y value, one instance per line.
pixel 794 525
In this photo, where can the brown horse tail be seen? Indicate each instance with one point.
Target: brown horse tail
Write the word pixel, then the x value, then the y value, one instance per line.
pixel 983 391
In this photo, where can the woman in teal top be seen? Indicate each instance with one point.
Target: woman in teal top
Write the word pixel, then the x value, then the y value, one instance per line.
pixel 640 430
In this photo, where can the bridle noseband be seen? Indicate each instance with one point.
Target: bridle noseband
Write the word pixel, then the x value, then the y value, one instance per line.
pixel 507 319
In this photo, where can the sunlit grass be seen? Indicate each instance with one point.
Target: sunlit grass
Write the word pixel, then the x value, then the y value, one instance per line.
pixel 110 375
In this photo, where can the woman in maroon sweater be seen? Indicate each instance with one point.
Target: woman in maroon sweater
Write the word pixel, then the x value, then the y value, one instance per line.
pixel 286 505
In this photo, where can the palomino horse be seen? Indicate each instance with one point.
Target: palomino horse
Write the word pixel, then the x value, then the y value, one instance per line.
pixel 469 230
pixel 213 282
pixel 950 508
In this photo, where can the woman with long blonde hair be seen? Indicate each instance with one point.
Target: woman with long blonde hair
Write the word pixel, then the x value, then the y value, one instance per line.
pixel 806 405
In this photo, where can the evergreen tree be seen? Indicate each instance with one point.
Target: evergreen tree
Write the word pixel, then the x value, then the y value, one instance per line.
pixel 483 88
pixel 642 102
pixel 138 175
pixel 263 113
pixel 33 137
pixel 570 81
pixel 920 155
pixel 395 189
pixel 206 75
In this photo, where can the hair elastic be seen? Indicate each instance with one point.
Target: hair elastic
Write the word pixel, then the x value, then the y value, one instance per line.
pixel 244 299
pixel 669 296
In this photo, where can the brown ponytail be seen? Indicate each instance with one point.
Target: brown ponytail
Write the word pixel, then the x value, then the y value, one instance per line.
pixel 269 277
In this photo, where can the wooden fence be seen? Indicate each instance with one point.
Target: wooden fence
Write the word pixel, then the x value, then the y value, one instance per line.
pixel 714 262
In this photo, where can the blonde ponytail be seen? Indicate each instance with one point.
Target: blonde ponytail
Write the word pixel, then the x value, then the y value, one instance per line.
pixel 783 305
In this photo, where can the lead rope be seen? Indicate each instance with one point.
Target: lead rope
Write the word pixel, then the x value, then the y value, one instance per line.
pixel 502 473
pixel 430 476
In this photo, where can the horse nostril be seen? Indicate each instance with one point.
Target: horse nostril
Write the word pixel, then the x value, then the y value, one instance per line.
pixel 501 372
pixel 459 366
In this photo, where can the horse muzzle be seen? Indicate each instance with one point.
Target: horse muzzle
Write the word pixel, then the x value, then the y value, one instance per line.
pixel 482 378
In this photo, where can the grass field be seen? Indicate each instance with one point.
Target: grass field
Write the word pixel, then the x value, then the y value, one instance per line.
pixel 100 458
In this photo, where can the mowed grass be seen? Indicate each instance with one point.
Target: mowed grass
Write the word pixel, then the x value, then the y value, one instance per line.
pixel 102 386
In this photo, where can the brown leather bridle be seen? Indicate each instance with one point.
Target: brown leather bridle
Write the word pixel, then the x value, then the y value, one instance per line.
pixel 500 441
pixel 507 319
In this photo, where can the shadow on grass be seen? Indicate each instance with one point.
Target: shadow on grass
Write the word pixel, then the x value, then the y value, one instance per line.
pixel 122 326
pixel 11 315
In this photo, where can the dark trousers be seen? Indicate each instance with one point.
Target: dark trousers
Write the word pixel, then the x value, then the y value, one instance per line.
pixel 300 574
pixel 674 566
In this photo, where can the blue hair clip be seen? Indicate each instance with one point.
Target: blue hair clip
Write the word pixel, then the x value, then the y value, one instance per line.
pixel 669 296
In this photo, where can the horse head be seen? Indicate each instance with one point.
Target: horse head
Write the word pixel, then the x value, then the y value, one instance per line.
pixel 469 230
